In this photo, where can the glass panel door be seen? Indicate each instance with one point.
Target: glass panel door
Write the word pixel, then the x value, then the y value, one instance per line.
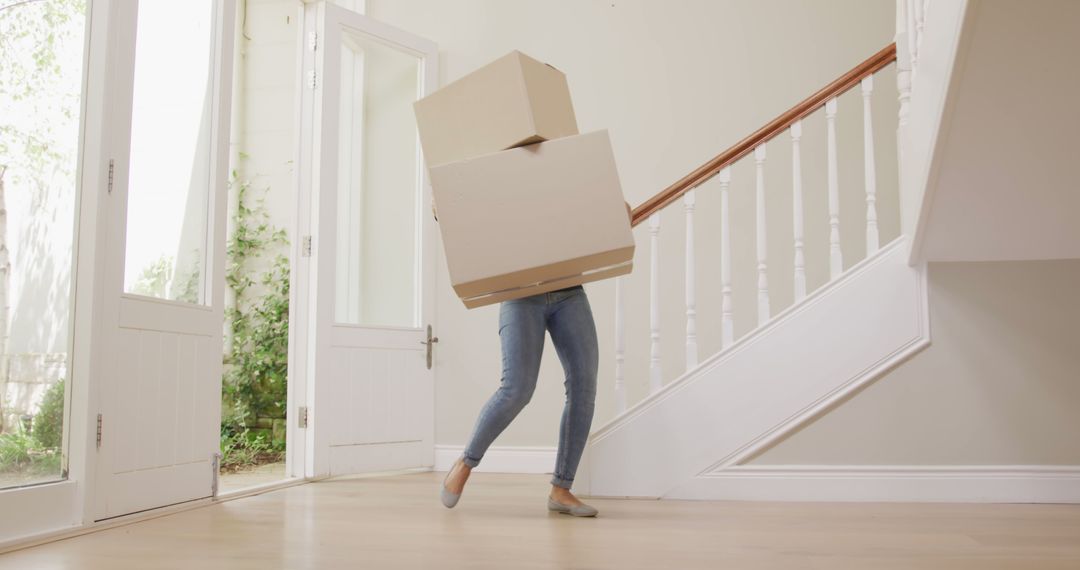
pixel 170 151
pixel 371 384
pixel 159 394
pixel 378 185
pixel 41 73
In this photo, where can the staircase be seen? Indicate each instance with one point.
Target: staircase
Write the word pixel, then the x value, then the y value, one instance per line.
pixel 796 364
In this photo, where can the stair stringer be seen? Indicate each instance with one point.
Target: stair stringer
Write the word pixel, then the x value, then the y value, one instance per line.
pixel 750 396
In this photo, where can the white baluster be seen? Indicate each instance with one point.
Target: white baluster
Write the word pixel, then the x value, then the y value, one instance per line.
pixel 620 348
pixel 689 201
pixel 797 210
pixel 903 88
pixel 914 29
pixel 920 23
pixel 655 381
pixel 727 321
pixel 836 262
pixel 869 170
pixel 762 264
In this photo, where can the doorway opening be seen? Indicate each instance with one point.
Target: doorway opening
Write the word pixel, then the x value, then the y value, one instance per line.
pixel 260 233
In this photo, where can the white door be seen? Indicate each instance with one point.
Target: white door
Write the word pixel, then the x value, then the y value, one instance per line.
pixel 365 356
pixel 160 380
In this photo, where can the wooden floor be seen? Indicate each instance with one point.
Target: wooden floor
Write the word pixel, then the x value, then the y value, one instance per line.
pixel 501 522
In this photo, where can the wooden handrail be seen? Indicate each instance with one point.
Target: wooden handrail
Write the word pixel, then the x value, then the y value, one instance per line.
pixel 764 134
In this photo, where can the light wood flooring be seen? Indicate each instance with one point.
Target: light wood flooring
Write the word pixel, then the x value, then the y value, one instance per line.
pixel 501 522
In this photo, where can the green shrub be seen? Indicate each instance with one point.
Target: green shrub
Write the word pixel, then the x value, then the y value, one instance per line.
pixel 242 450
pixel 254 385
pixel 15 450
pixel 48 429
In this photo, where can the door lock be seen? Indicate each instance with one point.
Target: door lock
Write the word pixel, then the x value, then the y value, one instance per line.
pixel 429 343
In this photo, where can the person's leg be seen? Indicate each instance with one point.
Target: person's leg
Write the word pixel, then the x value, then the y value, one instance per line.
pixel 574 335
pixel 521 332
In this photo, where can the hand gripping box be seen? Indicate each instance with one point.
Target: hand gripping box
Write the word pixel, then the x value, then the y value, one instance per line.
pixel 533 219
pixel 513 101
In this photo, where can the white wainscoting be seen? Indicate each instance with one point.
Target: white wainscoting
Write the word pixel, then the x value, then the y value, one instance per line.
pixel 501 459
pixel 887 483
pixel 767 384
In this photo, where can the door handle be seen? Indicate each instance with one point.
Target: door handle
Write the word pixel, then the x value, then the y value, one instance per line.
pixel 431 340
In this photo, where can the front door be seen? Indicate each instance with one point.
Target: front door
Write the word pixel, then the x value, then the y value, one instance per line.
pixel 160 377
pixel 369 251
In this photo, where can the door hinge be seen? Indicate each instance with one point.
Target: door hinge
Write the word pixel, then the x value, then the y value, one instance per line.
pixel 313 41
pixel 112 170
pixel 99 431
pixel 302 417
pixel 305 247
pixel 311 79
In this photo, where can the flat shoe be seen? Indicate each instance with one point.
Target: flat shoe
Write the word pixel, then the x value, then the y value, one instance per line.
pixel 448 499
pixel 581 510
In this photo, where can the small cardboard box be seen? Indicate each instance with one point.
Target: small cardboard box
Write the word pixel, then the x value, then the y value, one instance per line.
pixel 533 219
pixel 513 101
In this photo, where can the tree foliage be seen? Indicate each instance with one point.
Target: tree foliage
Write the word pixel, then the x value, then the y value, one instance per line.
pixel 39 93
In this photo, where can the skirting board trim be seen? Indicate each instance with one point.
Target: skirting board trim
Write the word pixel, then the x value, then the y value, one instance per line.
pixel 501 459
pixel 887 483
pixel 755 336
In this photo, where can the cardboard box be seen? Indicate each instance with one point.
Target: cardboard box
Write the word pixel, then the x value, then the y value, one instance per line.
pixel 513 101
pixel 533 219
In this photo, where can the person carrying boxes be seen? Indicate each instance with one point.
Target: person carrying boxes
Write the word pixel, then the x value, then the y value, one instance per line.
pixel 529 210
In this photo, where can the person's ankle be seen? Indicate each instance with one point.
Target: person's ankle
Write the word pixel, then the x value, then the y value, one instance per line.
pixel 563 493
pixel 463 467
pixel 459 471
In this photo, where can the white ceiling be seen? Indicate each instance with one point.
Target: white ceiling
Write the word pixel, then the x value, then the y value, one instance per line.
pixel 1007 184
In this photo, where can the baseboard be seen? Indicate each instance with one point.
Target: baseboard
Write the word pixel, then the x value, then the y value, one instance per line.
pixel 501 459
pixel 887 483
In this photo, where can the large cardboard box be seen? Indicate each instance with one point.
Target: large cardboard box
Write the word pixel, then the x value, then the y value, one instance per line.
pixel 513 101
pixel 533 219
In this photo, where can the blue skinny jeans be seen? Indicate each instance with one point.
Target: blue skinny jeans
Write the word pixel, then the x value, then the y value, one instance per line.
pixel 522 322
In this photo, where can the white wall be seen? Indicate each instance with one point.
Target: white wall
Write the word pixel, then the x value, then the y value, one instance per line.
pixel 266 103
pixel 674 83
pixel 999 385
pixel 1015 169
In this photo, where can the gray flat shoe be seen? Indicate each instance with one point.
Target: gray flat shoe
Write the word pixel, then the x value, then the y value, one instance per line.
pixel 582 510
pixel 448 499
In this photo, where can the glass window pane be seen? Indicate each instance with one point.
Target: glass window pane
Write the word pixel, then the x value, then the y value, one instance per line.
pixel 41 68
pixel 378 186
pixel 169 176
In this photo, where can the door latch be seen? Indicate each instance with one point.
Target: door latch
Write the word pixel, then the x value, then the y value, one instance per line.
pixel 429 343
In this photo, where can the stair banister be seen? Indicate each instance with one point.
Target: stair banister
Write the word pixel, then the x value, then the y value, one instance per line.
pixel 836 258
pixel 720 166
pixel 778 125
pixel 655 377
pixel 760 241
pixel 797 210
pixel 620 347
pixel 727 319
pixel 869 169
pixel 689 202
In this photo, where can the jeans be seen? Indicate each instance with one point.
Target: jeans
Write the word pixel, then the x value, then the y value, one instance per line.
pixel 567 316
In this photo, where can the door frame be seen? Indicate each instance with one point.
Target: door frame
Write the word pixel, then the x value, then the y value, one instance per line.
pixel 306 446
